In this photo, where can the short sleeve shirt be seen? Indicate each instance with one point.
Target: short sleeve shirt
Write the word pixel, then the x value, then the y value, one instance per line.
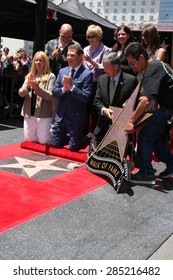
pixel 158 80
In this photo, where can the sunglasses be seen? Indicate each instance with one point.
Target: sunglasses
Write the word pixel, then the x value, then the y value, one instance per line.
pixel 91 37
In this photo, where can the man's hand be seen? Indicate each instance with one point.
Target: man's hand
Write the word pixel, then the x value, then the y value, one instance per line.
pixel 108 113
pixel 56 53
pixel 144 101
pixel 129 128
pixel 67 82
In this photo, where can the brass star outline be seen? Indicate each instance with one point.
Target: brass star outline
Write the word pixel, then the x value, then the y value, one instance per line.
pixel 32 167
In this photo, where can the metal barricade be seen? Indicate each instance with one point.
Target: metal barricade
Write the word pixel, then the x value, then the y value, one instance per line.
pixel 7 106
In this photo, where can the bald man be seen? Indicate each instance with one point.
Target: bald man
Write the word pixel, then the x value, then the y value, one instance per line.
pixel 56 49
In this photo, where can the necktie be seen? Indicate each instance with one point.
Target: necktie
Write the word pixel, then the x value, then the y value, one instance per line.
pixel 112 90
pixel 72 72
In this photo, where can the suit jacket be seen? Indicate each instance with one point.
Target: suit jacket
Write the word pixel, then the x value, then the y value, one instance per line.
pixel 57 63
pixel 73 104
pixel 126 85
pixel 124 62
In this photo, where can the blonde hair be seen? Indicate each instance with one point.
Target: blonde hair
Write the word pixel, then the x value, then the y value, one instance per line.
pixel 46 70
pixel 94 30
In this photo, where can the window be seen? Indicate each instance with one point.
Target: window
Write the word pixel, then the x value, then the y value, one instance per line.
pixel 142 10
pixel 124 3
pixel 132 18
pixel 106 17
pixel 98 11
pixel 115 3
pixel 90 4
pixel 115 11
pixel 107 4
pixel 99 4
pixel 153 3
pixel 124 11
pixel 114 18
pixel 152 10
pixel 141 18
pixel 123 18
pixel 107 11
pixel 133 3
pixel 133 10
pixel 143 3
pixel 151 18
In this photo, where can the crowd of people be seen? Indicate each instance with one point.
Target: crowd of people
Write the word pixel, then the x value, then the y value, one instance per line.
pixel 13 69
pixel 18 64
pixel 68 90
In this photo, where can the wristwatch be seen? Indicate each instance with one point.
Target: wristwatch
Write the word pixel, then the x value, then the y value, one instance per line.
pixel 72 88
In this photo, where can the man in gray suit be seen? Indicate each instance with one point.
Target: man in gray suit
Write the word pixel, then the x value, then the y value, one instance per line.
pixel 124 85
pixel 56 49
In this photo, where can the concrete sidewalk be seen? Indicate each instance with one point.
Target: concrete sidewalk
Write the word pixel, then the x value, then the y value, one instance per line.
pixel 115 227
pixel 165 251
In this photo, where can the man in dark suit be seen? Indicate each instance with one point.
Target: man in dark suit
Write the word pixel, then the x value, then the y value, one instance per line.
pixel 124 85
pixel 75 90
pixel 56 49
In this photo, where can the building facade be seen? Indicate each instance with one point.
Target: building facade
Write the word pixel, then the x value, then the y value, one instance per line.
pixel 136 14
pixel 131 12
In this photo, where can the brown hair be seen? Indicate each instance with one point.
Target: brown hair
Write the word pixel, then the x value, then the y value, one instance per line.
pixel 77 48
pixel 128 31
pixel 150 36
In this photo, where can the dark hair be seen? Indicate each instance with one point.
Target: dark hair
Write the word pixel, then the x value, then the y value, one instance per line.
pixel 77 48
pixel 135 50
pixel 151 36
pixel 128 31
pixel 6 49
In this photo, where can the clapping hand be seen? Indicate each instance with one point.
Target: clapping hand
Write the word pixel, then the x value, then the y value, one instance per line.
pixel 33 83
pixel 56 53
pixel 67 82
pixel 87 57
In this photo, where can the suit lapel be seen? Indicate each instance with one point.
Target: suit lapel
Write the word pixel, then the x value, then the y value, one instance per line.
pixel 78 73
pixel 107 83
pixel 118 89
pixel 108 91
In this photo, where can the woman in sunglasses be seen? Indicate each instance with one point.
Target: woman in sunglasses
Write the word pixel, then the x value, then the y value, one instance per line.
pixel 93 60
